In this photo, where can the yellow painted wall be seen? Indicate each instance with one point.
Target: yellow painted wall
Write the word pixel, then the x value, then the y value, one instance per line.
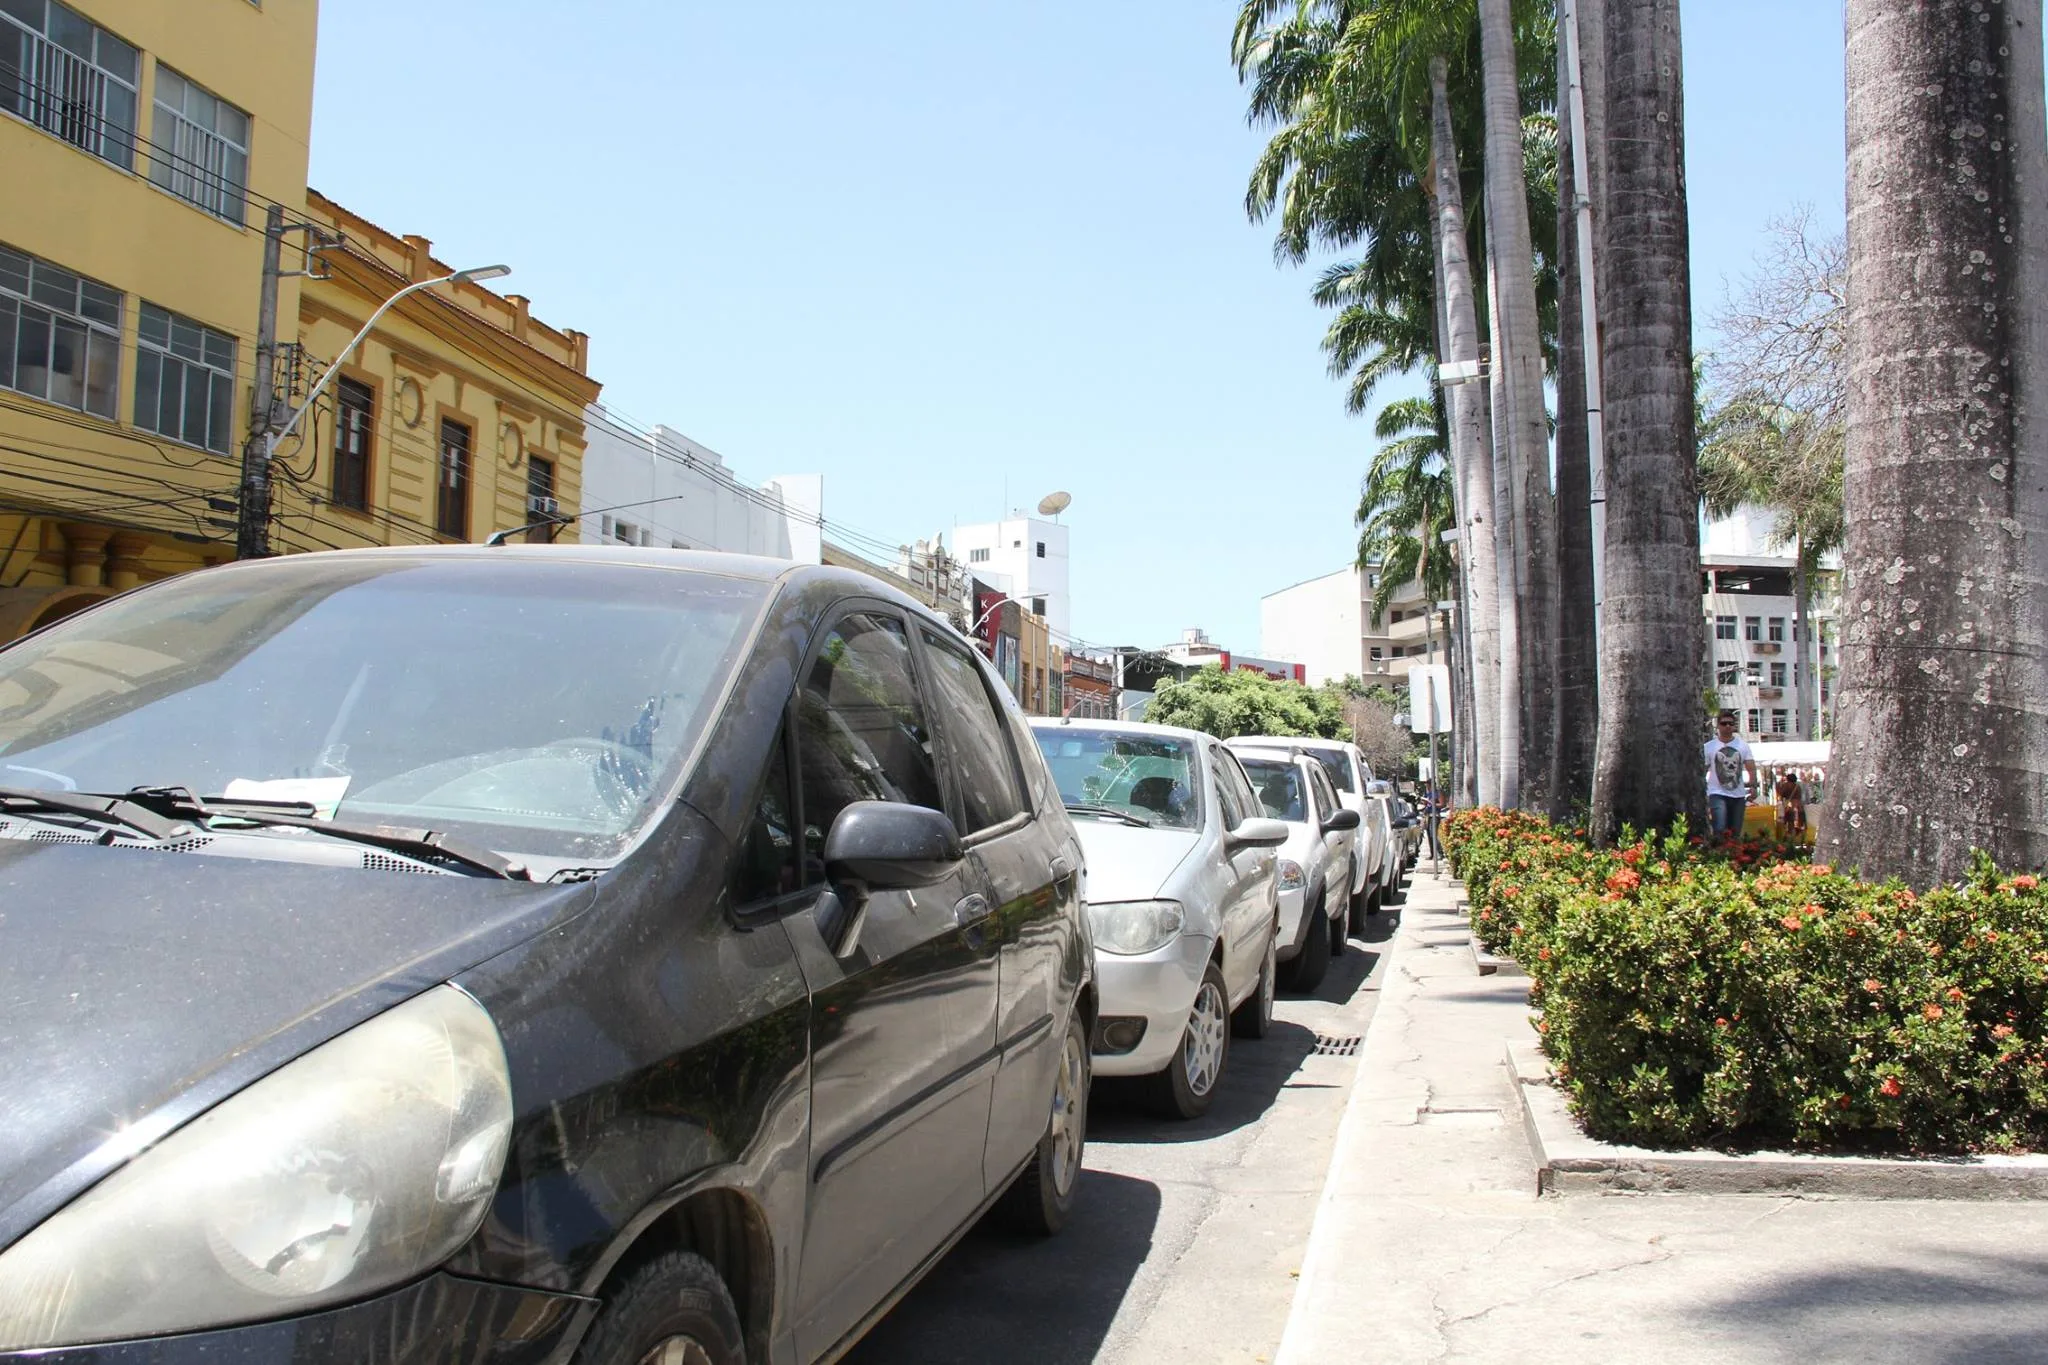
pixel 135 501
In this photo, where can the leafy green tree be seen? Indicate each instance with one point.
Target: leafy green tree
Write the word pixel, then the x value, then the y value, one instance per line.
pixel 1238 702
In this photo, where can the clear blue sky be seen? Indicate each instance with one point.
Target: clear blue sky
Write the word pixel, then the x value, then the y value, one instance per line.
pixel 934 250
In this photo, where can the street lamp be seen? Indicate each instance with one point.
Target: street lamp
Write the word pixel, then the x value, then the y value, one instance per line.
pixel 252 532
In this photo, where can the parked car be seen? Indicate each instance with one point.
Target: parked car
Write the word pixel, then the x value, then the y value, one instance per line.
pixel 1316 860
pixel 1379 871
pixel 1182 895
pixel 634 953
pixel 1409 833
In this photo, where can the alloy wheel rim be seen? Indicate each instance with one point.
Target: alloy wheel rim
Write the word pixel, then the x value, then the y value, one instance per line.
pixel 1202 1048
pixel 677 1351
pixel 1068 1123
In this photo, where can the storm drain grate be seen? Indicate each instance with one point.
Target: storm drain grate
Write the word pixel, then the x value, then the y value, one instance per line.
pixel 1328 1045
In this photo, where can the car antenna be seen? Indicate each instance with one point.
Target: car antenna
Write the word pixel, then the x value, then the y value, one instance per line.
pixel 563 519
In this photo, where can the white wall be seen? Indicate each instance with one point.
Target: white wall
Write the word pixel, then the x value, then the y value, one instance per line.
pixel 1014 565
pixel 1319 624
pixel 692 500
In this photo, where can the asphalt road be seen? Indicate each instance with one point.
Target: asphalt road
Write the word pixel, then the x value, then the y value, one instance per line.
pixel 1187 1237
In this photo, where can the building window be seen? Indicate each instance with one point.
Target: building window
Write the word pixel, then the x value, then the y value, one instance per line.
pixel 184 380
pixel 977 556
pixel 451 494
pixel 1781 721
pixel 1752 627
pixel 354 416
pixel 540 487
pixel 1038 606
pixel 1777 675
pixel 1754 717
pixel 1777 629
pixel 1377 653
pixel 201 146
pixel 1753 670
pixel 1724 627
pixel 1727 673
pixel 60 334
pixel 69 77
pixel 1041 549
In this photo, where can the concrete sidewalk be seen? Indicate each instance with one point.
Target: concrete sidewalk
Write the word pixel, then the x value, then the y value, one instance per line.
pixel 1431 1243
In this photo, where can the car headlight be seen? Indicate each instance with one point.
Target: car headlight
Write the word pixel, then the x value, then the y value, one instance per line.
pixel 358 1166
pixel 1292 878
pixel 1128 928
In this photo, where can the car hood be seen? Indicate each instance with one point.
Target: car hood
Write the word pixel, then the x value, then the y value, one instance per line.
pixel 1126 863
pixel 138 988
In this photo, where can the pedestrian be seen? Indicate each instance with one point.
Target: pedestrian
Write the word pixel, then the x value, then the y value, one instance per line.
pixel 1731 777
pixel 1791 803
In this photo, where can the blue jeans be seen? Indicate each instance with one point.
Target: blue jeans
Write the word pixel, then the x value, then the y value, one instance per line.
pixel 1726 813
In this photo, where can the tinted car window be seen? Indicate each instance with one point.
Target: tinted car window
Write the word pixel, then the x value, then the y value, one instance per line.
pixel 1149 776
pixel 1326 795
pixel 984 766
pixel 1233 793
pixel 1337 765
pixel 765 865
pixel 861 729
pixel 1277 784
pixel 537 707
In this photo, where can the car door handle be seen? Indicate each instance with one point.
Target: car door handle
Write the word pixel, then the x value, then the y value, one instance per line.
pixel 1062 875
pixel 972 914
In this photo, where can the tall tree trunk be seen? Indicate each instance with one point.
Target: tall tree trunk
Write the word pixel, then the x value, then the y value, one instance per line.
pixel 1518 360
pixel 1941 741
pixel 1506 546
pixel 1578 667
pixel 1471 456
pixel 1802 640
pixel 1463 767
pixel 1652 640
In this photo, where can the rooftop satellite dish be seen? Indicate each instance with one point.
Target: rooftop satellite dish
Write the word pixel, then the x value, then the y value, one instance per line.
pixel 1052 504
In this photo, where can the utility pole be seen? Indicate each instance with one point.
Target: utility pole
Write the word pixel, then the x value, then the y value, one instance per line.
pixel 252 517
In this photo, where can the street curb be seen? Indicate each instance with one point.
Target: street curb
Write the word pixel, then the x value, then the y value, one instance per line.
pixel 1569 1162
pixel 1489 965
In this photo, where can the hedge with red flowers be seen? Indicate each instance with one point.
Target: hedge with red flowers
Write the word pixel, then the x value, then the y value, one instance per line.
pixel 1731 997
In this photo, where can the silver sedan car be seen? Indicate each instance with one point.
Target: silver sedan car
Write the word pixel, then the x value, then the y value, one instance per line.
pixel 1317 860
pixel 1181 891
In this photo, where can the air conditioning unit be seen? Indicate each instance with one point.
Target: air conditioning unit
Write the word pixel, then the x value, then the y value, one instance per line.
pixel 1767 646
pixel 1770 693
pixel 538 507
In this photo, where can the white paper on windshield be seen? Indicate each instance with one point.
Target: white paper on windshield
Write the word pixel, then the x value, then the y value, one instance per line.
pixel 322 793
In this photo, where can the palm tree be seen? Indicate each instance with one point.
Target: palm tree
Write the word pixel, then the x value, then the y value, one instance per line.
pixel 1647 770
pixel 1404 505
pixel 1940 744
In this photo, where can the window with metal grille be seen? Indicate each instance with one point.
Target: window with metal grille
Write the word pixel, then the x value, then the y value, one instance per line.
pixel 201 146
pixel 184 380
pixel 1724 627
pixel 540 483
pixel 977 556
pixel 60 334
pixel 1777 675
pixel 1781 721
pixel 69 77
pixel 354 418
pixel 1752 627
pixel 451 494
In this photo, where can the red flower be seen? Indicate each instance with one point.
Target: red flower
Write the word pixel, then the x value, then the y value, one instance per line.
pixel 1632 856
pixel 2025 882
pixel 1955 992
pixel 1932 1012
pixel 1543 954
pixel 1628 879
pixel 2002 1031
pixel 1872 984
pixel 1720 1023
pixel 1792 921
pixel 1891 1087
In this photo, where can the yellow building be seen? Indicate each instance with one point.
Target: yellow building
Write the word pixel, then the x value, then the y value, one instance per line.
pixel 461 414
pixel 140 143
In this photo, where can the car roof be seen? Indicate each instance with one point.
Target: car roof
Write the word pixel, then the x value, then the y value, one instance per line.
pixel 1121 727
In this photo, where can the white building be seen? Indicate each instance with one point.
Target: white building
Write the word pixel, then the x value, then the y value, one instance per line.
pixel 1748 594
pixel 662 488
pixel 1025 557
pixel 1326 625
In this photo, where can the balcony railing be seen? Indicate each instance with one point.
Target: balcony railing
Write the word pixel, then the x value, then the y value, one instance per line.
pixel 69 97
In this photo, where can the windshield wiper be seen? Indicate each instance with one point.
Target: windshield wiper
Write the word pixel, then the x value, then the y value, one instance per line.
pixel 424 844
pixel 1110 813
pixel 115 810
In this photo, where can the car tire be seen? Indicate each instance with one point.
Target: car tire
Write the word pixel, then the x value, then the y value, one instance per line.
pixel 1041 1198
pixel 1312 963
pixel 1188 1085
pixel 1254 1018
pixel 676 1298
pixel 1360 900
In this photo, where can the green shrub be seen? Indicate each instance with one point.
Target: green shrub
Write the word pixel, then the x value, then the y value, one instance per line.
pixel 1694 995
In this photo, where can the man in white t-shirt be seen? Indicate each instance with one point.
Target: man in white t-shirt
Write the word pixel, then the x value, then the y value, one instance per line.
pixel 1731 777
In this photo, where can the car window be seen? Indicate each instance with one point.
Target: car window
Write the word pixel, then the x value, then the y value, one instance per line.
pixel 1326 795
pixel 984 766
pixel 1277 784
pixel 861 733
pixel 1151 777
pixel 1336 764
pixel 765 864
pixel 1233 794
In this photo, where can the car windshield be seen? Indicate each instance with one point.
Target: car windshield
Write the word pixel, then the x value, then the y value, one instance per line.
pixel 1337 764
pixel 1148 776
pixel 1278 785
pixel 539 707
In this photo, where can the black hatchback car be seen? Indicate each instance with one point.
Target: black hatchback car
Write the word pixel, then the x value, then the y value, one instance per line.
pixel 547 954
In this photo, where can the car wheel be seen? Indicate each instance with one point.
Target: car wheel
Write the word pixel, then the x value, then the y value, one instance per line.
pixel 1395 894
pixel 1185 1089
pixel 1360 900
pixel 1041 1198
pixel 1312 963
pixel 1254 1018
pixel 672 1311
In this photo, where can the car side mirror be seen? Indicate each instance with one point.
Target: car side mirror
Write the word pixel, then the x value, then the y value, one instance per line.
pixel 885 846
pixel 1379 787
pixel 1256 833
pixel 1340 820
